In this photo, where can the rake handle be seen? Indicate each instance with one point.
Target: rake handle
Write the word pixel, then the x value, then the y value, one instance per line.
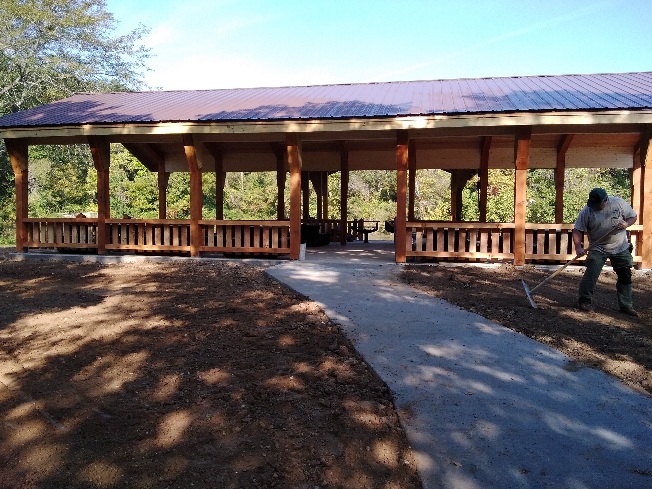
pixel 557 272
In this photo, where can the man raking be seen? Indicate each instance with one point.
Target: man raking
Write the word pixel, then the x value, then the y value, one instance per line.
pixel 601 214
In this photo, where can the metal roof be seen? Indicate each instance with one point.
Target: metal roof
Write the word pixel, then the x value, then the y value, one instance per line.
pixel 630 91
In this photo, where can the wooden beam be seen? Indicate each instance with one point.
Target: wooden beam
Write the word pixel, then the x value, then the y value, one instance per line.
pixel 560 175
pixel 147 154
pixel 401 194
pixel 324 188
pixel 280 180
pixel 101 153
pixel 484 176
pixel 215 151
pixel 412 168
pixel 646 201
pixel 293 151
pixel 521 159
pixel 344 193
pixel 636 180
pixel 194 167
pixel 163 178
pixel 459 179
pixel 305 192
pixel 18 151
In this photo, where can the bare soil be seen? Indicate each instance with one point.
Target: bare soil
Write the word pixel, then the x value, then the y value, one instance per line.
pixel 605 339
pixel 184 374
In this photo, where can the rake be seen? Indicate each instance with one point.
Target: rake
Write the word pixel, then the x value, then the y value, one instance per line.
pixel 529 291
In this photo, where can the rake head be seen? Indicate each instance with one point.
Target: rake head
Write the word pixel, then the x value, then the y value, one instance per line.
pixel 528 294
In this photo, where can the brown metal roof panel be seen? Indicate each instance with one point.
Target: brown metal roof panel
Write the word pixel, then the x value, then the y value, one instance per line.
pixel 570 92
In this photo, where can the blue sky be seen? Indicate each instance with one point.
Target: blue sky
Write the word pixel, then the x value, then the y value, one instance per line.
pixel 204 44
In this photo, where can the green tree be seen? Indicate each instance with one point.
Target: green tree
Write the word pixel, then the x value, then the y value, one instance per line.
pixel 50 49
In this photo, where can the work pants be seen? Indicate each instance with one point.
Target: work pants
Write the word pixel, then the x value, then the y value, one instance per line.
pixel 622 264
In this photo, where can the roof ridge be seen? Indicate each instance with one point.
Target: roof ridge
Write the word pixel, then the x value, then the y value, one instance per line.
pixel 389 82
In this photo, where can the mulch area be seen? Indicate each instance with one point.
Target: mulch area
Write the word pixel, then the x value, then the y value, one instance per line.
pixel 188 374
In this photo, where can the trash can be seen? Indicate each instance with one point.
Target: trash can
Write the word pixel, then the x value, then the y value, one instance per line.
pixel 302 251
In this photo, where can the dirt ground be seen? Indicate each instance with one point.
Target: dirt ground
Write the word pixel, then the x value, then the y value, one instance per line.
pixel 184 375
pixel 604 339
pixel 210 374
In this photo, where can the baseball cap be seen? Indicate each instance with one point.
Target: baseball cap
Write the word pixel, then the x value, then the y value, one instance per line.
pixel 596 197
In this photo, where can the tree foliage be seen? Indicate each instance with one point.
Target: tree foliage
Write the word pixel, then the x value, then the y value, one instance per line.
pixel 51 49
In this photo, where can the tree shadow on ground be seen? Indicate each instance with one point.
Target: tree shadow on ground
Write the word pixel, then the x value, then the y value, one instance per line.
pixel 192 374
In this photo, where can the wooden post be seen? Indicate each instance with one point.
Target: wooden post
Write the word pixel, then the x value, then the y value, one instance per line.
pixel 294 163
pixel 459 178
pixel 344 193
pixel 18 151
pixel 636 180
pixel 484 176
pixel 101 153
pixel 163 179
pixel 521 159
pixel 412 176
pixel 646 201
pixel 315 178
pixel 280 181
pixel 305 192
pixel 401 194
pixel 194 166
pixel 216 153
pixel 324 188
pixel 560 175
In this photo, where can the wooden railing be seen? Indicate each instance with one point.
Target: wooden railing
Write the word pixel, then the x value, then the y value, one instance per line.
pixel 354 227
pixel 473 241
pixel 249 237
pixel 80 233
pixel 450 241
pixel 148 235
pixel 159 235
pixel 460 240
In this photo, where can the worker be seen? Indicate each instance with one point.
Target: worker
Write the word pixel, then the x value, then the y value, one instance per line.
pixel 602 214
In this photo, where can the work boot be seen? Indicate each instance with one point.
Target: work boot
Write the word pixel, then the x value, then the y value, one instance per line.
pixel 585 306
pixel 629 311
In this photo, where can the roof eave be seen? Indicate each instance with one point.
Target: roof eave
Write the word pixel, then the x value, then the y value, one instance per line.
pixel 69 134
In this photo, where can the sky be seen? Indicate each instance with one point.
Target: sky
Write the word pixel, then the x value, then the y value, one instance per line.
pixel 208 44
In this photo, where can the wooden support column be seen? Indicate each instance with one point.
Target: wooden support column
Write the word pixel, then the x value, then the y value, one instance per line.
pixel 484 176
pixel 216 152
pixel 560 175
pixel 163 179
pixel 459 179
pixel 316 179
pixel 521 159
pixel 101 153
pixel 194 166
pixel 294 164
pixel 324 188
pixel 305 192
pixel 412 176
pixel 280 180
pixel 401 194
pixel 18 155
pixel 636 180
pixel 646 201
pixel 344 193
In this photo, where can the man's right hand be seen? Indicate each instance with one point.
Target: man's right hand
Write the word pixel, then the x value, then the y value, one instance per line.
pixel 580 251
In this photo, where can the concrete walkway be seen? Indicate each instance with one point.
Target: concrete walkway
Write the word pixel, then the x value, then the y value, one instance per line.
pixel 483 407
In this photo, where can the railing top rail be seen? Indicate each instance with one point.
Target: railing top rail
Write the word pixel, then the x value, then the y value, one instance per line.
pixel 62 219
pixel 148 221
pixel 245 222
pixel 460 225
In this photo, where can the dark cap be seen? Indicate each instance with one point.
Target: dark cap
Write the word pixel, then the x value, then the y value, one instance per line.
pixel 596 197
